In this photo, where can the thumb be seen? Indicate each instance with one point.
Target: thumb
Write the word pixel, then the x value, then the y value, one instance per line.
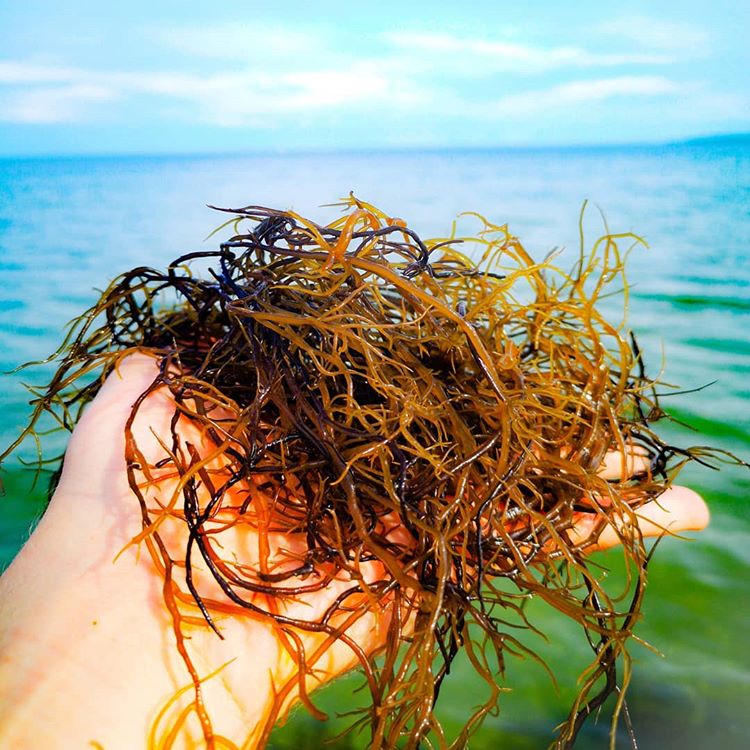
pixel 97 445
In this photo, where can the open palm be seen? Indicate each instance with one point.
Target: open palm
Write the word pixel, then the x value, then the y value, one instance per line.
pixel 108 628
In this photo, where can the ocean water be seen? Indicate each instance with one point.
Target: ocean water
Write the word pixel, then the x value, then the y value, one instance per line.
pixel 67 226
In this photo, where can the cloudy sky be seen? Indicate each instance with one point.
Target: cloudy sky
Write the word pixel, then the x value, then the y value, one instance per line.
pixel 193 76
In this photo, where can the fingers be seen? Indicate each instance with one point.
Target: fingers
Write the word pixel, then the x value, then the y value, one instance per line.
pixel 616 464
pixel 676 510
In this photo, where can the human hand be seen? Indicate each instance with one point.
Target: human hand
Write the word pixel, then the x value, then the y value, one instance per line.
pixel 91 651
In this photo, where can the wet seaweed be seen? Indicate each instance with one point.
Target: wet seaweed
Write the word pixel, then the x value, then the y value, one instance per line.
pixel 442 407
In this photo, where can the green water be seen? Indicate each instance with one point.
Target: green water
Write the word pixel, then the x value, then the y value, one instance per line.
pixel 67 226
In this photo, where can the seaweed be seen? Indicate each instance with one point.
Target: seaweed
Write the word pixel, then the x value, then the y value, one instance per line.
pixel 441 407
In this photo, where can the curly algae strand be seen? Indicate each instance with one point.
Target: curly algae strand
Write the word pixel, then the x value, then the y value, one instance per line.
pixel 379 397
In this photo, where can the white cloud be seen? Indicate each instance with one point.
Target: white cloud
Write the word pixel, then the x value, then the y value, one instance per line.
pixel 45 104
pixel 280 73
pixel 234 99
pixel 14 72
pixel 658 34
pixel 703 108
pixel 244 97
pixel 259 43
pixel 579 92
pixel 497 56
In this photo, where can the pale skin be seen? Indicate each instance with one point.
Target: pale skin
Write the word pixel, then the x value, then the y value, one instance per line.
pixel 87 648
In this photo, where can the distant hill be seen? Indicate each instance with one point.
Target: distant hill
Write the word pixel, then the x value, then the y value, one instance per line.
pixel 728 139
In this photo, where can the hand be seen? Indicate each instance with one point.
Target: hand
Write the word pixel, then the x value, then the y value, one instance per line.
pixel 89 653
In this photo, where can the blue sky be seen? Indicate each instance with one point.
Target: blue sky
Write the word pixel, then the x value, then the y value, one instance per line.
pixel 163 76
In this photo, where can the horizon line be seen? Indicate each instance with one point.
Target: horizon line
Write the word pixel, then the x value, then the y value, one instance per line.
pixel 394 149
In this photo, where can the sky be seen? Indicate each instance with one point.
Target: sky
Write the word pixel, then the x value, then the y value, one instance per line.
pixel 158 76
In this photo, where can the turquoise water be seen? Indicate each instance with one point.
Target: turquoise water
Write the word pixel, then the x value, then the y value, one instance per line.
pixel 68 225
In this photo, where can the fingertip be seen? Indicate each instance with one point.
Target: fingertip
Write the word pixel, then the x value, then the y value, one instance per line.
pixel 688 509
pixel 136 362
pixel 132 374
pixel 104 418
pixel 676 510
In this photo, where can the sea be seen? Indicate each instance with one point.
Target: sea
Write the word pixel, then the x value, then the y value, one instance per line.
pixel 69 225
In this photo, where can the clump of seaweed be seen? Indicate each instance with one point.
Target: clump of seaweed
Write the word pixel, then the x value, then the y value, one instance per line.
pixel 442 407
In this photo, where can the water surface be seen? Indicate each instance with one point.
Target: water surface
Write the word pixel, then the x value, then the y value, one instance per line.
pixel 68 225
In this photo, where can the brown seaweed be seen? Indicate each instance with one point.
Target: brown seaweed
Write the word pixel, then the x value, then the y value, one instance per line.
pixel 440 406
